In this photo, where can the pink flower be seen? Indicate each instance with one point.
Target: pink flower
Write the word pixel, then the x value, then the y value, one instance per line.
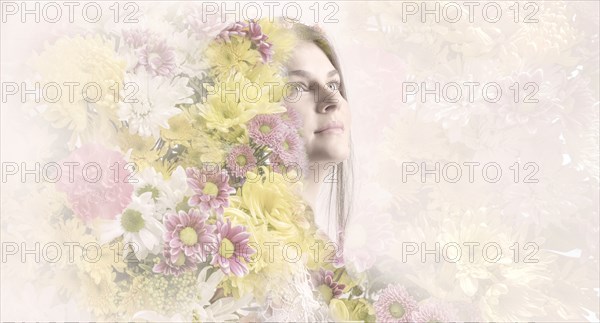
pixel 202 25
pixel 255 32
pixel 98 187
pixel 137 37
pixel 326 285
pixel 236 28
pixel 292 118
pixel 265 50
pixel 290 152
pixel 267 129
pixel 434 311
pixel 232 243
pixel 211 190
pixel 169 267
pixel 395 305
pixel 158 59
pixel 259 39
pixel 240 160
pixel 188 234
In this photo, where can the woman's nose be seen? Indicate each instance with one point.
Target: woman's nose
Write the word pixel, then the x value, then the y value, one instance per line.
pixel 327 100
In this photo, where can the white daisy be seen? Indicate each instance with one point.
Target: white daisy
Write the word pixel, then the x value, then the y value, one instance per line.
pixel 167 194
pixel 137 225
pixel 148 102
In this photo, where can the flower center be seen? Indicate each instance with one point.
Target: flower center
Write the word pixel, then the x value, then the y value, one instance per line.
pixel 210 189
pixel 265 128
pixel 396 310
pixel 241 160
pixel 151 189
pixel 188 236
pixel 325 292
pixel 132 221
pixel 180 260
pixel 226 248
pixel 286 146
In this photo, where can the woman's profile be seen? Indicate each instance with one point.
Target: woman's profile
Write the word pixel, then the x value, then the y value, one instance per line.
pixel 315 71
pixel 319 97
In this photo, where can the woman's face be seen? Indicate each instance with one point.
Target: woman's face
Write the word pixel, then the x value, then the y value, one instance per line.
pixel 314 93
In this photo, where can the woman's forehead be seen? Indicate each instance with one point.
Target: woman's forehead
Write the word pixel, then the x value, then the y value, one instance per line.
pixel 308 57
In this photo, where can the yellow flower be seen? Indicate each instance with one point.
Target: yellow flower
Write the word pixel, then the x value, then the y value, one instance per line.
pixel 271 199
pixel 100 298
pixel 140 148
pixel 101 266
pixel 203 148
pixel 92 64
pixel 234 102
pixel 180 129
pixel 360 310
pixel 228 58
pixel 338 310
pixel 282 39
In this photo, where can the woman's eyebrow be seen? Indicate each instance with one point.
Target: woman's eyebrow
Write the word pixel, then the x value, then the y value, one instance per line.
pixel 302 73
pixel 308 75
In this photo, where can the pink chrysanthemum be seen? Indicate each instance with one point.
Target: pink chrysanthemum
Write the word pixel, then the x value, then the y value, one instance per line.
pixel 291 149
pixel 233 249
pixel 187 233
pixel 326 285
pixel 203 26
pixel 236 28
pixel 240 160
pixel 255 32
pixel 265 50
pixel 169 267
pixel 395 305
pixel 137 37
pixel 260 40
pixel 434 311
pixel 211 190
pixel 292 118
pixel 267 129
pixel 91 193
pixel 158 59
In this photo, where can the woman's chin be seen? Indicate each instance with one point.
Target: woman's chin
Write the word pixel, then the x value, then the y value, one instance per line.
pixel 329 154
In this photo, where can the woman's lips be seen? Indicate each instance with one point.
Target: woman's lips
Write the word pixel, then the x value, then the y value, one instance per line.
pixel 331 128
pixel 330 131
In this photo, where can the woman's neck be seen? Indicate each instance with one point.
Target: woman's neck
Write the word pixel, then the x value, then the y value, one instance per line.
pixel 312 195
pixel 311 191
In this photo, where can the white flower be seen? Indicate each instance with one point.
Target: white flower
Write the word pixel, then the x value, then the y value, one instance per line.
pixel 224 309
pixel 138 226
pixel 165 193
pixel 149 102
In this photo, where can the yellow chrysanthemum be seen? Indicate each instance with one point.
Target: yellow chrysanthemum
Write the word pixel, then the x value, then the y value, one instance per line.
pixel 233 103
pixel 102 269
pixel 92 64
pixel 203 148
pixel 282 39
pixel 180 129
pixel 141 149
pixel 281 229
pixel 228 58
pixel 272 200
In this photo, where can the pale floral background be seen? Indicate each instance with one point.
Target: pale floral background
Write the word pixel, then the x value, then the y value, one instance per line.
pixel 379 52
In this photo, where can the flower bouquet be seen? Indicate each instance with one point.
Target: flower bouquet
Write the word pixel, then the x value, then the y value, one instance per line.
pixel 186 176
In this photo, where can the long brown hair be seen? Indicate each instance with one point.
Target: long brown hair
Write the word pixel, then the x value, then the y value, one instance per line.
pixel 343 189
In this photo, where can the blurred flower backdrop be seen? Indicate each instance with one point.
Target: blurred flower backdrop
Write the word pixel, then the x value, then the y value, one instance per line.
pixel 546 225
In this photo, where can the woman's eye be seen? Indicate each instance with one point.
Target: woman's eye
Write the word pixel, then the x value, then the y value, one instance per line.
pixel 333 86
pixel 298 87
